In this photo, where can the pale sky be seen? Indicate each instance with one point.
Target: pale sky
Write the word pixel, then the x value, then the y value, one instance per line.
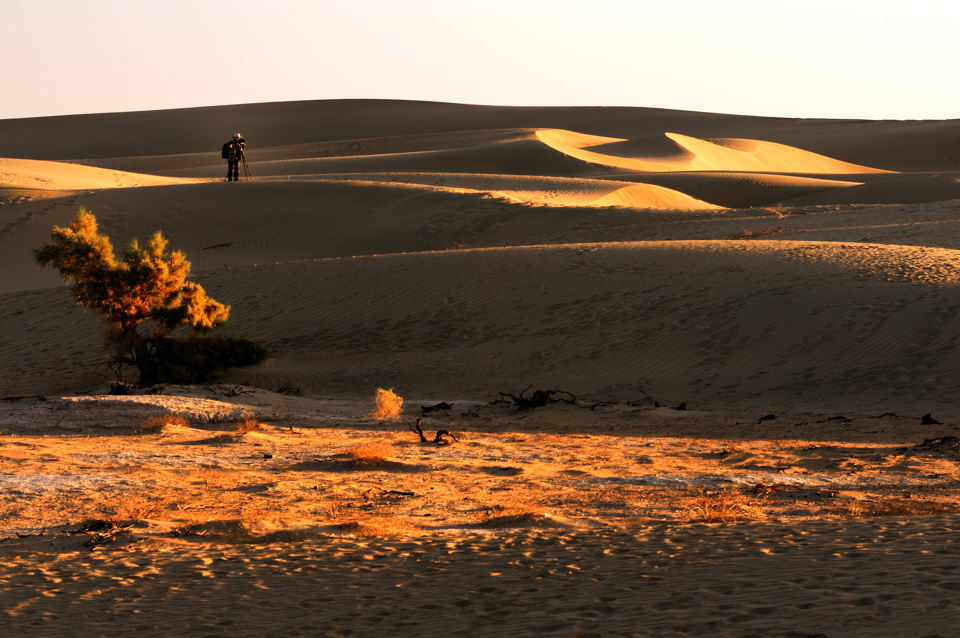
pixel 874 59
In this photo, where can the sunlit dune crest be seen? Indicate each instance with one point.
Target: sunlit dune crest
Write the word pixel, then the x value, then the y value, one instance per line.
pixel 652 197
pixel 693 154
pixel 46 175
pixel 545 190
pixel 759 155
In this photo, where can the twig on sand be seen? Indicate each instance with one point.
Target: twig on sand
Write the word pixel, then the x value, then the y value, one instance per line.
pixel 19 535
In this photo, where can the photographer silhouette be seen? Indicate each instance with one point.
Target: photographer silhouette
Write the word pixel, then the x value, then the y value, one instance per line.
pixel 233 152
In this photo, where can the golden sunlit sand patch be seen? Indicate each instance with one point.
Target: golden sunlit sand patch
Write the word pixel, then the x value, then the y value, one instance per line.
pixel 61 176
pixel 623 493
pixel 312 473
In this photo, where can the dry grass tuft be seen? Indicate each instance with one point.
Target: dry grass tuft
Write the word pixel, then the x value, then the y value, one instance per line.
pixel 156 424
pixel 247 425
pixel 387 405
pixel 338 509
pixel 723 507
pixel 132 506
pixel 514 510
pixel 372 454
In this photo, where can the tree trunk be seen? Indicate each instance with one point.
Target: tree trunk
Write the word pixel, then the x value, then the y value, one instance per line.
pixel 146 362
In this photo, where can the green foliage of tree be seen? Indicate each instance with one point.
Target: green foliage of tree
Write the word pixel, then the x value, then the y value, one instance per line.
pixel 144 294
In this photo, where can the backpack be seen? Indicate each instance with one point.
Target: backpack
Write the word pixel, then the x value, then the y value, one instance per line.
pixel 232 151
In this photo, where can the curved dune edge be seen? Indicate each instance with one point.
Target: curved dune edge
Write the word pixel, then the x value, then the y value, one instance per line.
pixel 45 176
pixel 917 264
pixel 743 190
pixel 541 190
pixel 908 189
pixel 653 197
pixel 693 154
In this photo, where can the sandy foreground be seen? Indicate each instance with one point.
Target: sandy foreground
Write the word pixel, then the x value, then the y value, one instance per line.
pixel 227 510
pixel 750 324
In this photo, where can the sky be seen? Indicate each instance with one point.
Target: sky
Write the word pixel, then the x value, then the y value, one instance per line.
pixel 870 59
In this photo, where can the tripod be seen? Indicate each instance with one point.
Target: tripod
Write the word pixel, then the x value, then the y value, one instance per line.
pixel 246 169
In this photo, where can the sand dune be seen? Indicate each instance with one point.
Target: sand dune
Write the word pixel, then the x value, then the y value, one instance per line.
pixel 909 189
pixel 544 190
pixel 325 149
pixel 692 154
pixel 20 174
pixel 746 189
pixel 752 324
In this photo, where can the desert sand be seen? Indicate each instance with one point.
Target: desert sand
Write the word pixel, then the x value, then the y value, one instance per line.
pixel 750 325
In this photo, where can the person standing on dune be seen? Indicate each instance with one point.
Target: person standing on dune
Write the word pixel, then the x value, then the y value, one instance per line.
pixel 233 153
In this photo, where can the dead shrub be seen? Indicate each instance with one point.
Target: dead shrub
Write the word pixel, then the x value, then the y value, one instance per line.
pixel 156 424
pixel 338 509
pixel 512 509
pixel 133 506
pixel 247 425
pixel 723 507
pixel 372 454
pixel 387 405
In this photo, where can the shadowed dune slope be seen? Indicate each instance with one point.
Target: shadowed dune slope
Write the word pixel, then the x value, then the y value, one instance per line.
pixel 523 157
pixel 732 322
pixel 907 189
pixel 744 189
pixel 224 225
pixel 328 149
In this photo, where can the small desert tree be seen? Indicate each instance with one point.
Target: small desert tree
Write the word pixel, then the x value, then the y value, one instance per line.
pixel 144 295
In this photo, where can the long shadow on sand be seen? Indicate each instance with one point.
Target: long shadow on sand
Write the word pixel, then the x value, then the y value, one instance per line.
pixel 343 464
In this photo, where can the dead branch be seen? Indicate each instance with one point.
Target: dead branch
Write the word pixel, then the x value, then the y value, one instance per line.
pixel 19 535
pixel 443 405
pixel 539 398
pixel 438 438
pixel 236 391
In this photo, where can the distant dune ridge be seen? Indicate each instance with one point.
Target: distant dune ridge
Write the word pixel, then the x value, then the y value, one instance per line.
pixel 457 250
